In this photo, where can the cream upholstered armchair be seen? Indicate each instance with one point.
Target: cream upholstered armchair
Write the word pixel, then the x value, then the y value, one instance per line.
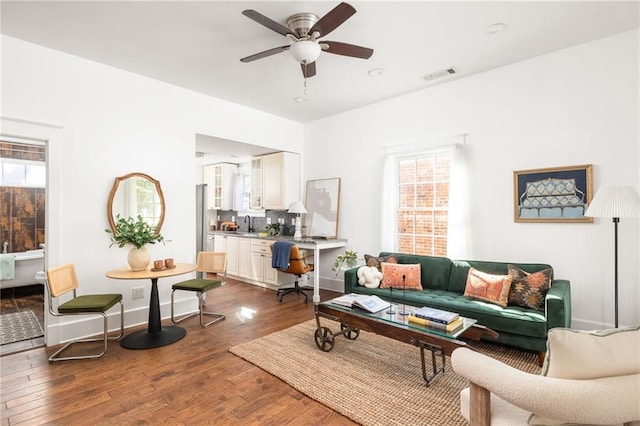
pixel 588 378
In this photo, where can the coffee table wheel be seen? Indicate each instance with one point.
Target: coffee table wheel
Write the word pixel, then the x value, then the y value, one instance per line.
pixel 352 334
pixel 324 339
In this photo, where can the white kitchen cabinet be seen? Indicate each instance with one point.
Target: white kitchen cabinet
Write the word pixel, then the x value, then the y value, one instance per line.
pixel 255 200
pixel 232 255
pixel 220 242
pixel 228 245
pixel 219 180
pixel 280 180
pixel 261 262
pixel 275 180
pixel 244 257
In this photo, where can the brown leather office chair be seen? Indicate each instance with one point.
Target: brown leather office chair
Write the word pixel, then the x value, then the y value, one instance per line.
pixel 298 266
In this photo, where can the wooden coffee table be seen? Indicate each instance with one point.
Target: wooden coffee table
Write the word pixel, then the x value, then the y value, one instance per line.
pixel 395 326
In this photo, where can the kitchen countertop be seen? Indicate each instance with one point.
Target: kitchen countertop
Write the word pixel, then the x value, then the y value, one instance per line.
pixel 273 237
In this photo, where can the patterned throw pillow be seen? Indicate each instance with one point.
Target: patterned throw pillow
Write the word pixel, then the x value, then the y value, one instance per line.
pixel 375 262
pixel 392 274
pixel 529 289
pixel 487 287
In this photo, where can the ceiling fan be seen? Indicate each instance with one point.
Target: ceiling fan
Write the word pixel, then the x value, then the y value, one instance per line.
pixel 304 30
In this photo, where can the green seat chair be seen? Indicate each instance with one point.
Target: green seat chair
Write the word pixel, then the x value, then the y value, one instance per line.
pixel 208 263
pixel 63 279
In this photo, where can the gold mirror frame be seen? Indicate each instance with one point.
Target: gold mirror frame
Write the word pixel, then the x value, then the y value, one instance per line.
pixel 116 185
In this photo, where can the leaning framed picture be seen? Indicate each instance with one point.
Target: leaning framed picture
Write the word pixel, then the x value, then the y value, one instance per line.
pixel 323 208
pixel 556 194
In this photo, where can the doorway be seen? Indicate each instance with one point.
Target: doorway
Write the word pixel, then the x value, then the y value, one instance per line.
pixel 22 238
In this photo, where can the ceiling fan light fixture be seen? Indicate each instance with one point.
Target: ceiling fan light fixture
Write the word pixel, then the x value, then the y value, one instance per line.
pixel 305 51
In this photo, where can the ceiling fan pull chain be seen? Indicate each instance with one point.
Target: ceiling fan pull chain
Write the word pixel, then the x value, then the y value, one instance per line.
pixel 305 78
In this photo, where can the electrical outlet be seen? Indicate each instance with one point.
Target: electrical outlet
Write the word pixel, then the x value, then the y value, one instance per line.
pixel 137 292
pixel 268 221
pixel 233 218
pixel 293 220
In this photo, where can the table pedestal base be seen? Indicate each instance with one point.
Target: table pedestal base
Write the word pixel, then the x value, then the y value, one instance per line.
pixel 142 339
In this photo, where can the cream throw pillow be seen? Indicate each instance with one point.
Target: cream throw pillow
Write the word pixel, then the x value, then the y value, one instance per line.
pixel 584 355
pixel 573 354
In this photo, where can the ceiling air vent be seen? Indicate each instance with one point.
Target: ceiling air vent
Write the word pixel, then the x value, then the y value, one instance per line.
pixel 441 73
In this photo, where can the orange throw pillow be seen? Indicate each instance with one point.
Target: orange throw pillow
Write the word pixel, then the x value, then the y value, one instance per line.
pixel 487 287
pixel 392 274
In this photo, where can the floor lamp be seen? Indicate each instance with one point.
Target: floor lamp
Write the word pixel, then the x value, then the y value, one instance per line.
pixel 615 202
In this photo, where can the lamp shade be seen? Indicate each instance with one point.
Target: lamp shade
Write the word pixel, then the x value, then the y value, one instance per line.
pixel 305 51
pixel 614 201
pixel 297 207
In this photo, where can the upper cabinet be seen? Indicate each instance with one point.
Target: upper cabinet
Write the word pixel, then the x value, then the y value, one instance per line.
pixel 255 199
pixel 275 180
pixel 220 181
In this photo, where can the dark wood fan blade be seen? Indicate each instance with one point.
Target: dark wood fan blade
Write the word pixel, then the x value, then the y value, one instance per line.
pixel 264 54
pixel 267 22
pixel 308 70
pixel 333 19
pixel 346 49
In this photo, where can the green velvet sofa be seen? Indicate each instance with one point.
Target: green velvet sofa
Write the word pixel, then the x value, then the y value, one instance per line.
pixel 444 280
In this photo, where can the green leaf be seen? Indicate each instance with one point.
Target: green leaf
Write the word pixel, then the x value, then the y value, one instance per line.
pixel 134 231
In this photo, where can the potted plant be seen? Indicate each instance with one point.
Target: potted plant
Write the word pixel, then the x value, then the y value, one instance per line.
pixel 137 232
pixel 272 229
pixel 349 259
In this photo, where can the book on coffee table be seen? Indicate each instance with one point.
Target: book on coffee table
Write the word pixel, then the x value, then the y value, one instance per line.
pixel 369 303
pixel 436 315
pixel 452 326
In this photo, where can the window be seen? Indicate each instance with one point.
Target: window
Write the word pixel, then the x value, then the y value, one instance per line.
pixel 22 173
pixel 422 210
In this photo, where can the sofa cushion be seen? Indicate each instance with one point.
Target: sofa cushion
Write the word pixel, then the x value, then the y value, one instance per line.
pixel 529 289
pixel 393 273
pixel 583 355
pixel 586 355
pixel 488 287
pixel 434 271
pixel 375 262
pixel 460 271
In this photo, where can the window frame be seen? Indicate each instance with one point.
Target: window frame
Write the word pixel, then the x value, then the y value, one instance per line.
pixel 415 211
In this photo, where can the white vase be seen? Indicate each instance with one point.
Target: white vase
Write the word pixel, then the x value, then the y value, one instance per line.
pixel 139 258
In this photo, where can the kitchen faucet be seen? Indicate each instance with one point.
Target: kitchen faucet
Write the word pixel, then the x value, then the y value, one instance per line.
pixel 249 229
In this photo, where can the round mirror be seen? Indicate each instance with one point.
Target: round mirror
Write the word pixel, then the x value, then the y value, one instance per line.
pixel 136 194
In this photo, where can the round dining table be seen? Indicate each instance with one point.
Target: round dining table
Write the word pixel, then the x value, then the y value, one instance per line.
pixel 155 335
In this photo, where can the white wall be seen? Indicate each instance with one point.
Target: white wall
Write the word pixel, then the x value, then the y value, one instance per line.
pixel 575 106
pixel 111 123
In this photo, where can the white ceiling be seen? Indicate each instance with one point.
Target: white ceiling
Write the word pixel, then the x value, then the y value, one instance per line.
pixel 198 45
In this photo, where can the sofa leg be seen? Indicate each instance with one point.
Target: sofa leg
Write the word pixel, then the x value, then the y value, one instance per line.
pixel 541 356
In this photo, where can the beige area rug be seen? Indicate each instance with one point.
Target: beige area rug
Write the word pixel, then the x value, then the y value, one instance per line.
pixel 373 380
pixel 19 326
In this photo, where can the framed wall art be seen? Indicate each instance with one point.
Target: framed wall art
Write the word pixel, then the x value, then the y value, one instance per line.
pixel 323 208
pixel 556 194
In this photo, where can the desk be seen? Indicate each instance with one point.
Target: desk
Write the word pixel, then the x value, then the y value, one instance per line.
pixel 155 335
pixel 316 246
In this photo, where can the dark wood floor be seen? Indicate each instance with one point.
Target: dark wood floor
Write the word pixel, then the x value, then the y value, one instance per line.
pixel 194 381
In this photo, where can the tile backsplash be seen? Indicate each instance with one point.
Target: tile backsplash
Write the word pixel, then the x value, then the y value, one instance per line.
pixel 259 223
